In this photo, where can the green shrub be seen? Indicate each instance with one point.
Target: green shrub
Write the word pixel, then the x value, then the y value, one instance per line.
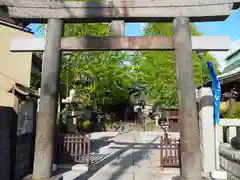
pixel 235 115
pixel 86 124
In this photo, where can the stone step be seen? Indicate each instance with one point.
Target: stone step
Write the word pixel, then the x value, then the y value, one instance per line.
pixel 118 175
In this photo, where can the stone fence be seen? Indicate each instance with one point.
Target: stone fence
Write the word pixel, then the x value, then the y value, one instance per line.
pixel 229 157
pixel 228 129
pixel 24 154
pixel 230 161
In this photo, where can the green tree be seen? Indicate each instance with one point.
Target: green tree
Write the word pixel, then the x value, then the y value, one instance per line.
pixel 112 73
pixel 158 70
pixel 110 79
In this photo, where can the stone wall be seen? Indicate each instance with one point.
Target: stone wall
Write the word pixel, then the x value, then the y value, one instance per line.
pixel 7 118
pixel 24 155
pixel 230 161
pixel 16 153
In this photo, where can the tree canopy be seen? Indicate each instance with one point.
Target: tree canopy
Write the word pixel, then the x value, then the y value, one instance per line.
pixel 158 70
pixel 110 79
pixel 112 73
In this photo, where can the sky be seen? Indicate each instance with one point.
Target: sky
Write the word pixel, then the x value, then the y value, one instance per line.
pixel 230 27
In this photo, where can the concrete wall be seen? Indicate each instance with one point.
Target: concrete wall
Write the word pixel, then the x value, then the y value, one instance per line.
pixel 14 67
pixel 230 161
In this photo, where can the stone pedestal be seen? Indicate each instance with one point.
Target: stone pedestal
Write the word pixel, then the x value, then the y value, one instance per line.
pixel 206 127
pixel 231 132
pixel 235 142
pixel 54 177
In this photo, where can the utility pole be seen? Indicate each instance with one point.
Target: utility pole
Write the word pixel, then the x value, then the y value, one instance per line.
pixel 189 133
pixel 44 143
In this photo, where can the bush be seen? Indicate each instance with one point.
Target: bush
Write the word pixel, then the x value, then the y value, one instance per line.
pixel 86 124
pixel 235 115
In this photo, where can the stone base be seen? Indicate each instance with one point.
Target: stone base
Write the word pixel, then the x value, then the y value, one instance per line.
pixel 54 177
pixel 180 178
pixel 221 175
pixel 76 167
pixel 57 177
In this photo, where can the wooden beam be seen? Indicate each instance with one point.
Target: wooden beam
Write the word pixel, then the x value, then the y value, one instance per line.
pixel 141 14
pixel 199 43
pixel 110 3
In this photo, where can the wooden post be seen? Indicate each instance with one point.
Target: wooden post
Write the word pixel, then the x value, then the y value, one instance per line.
pixel 189 133
pixel 44 144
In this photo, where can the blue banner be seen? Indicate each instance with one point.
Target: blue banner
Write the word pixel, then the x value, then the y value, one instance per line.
pixel 216 87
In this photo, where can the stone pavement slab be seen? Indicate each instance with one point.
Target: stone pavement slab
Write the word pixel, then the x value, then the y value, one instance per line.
pixel 131 156
pixel 77 175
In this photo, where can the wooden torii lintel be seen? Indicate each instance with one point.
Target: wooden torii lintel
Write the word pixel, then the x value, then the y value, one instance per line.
pixel 199 43
pixel 129 11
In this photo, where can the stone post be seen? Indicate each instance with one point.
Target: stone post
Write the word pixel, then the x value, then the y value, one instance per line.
pixel 220 134
pixel 189 132
pixel 206 127
pixel 46 123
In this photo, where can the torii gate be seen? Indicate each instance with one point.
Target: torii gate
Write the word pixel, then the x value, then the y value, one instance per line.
pixel 180 12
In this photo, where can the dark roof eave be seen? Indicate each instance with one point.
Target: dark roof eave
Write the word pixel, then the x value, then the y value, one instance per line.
pixel 223 81
pixel 21 90
pixel 232 54
pixel 236 5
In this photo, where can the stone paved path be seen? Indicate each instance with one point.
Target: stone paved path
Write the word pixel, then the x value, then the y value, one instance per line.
pixel 130 156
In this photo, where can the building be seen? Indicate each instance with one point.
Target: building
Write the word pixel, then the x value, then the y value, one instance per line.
pixel 15 73
pixel 14 67
pixel 231 72
pixel 229 78
pixel 17 103
pixel 230 69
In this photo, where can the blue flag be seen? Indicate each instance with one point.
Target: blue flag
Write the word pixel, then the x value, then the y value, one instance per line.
pixel 216 92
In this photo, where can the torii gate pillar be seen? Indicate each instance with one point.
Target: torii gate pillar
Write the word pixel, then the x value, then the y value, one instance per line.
pixel 189 132
pixel 44 143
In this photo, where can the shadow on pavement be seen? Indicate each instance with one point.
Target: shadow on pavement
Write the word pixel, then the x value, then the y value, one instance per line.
pixel 124 162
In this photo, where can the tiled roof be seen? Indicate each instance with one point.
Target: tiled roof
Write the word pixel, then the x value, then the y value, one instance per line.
pixel 21 90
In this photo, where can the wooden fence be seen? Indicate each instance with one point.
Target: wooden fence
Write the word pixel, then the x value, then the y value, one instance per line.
pixel 169 152
pixel 73 148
